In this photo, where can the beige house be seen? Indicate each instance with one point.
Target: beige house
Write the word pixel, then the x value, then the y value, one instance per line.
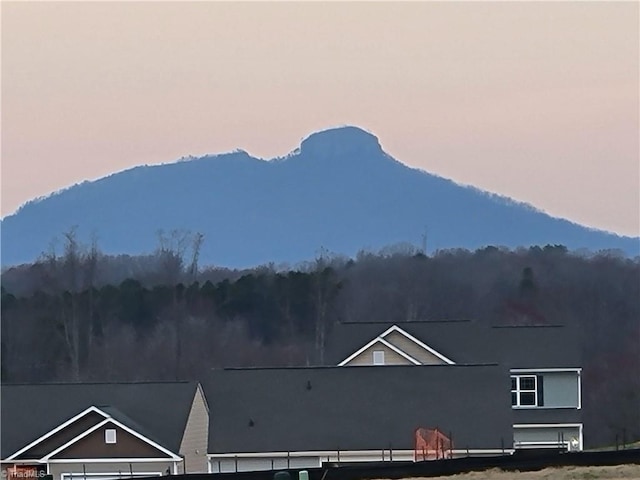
pixel 543 362
pixel 103 431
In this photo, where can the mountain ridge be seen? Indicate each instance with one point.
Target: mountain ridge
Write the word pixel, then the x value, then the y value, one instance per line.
pixel 338 190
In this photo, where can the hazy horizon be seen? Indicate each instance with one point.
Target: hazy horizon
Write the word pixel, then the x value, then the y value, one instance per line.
pixel 534 101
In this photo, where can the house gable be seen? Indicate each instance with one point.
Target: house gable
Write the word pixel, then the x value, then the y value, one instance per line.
pixel 94 445
pixel 60 435
pixel 401 344
pixel 85 436
pixel 390 356
pixel 424 356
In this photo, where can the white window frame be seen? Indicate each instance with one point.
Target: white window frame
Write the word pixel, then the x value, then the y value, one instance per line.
pixel 518 391
pixel 110 436
pixel 378 357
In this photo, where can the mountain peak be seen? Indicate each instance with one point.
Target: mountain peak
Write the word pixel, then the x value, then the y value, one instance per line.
pixel 340 141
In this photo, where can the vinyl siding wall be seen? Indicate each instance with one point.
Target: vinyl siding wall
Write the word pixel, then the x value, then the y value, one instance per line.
pixel 414 350
pixel 390 357
pixel 195 440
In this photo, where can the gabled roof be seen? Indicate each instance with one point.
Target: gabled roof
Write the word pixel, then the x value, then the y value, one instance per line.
pixel 110 422
pixel 457 341
pixel 356 408
pixel 468 342
pixel 159 411
pixel 381 339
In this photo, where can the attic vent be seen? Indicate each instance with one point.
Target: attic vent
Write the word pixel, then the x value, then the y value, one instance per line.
pixel 251 422
pixel 110 435
pixel 308 384
pixel 378 357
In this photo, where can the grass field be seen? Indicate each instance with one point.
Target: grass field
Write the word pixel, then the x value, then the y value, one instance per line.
pixel 619 472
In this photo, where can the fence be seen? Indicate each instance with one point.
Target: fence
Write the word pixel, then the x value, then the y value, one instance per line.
pixel 526 460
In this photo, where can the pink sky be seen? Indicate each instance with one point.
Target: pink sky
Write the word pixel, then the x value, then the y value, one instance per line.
pixel 538 100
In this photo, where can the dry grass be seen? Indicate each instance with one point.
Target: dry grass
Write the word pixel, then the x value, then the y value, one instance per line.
pixel 619 472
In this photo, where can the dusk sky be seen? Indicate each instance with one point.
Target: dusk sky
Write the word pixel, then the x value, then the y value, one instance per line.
pixel 538 101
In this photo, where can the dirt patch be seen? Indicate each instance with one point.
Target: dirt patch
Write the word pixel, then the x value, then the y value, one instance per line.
pixel 618 472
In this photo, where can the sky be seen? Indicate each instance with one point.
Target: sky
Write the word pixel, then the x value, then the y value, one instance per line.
pixel 538 101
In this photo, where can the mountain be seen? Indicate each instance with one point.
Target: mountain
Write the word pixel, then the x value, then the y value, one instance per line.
pixel 339 191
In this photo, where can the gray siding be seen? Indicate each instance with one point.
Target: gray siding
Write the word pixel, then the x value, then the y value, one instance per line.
pixel 560 389
pixel 196 436
pixel 547 415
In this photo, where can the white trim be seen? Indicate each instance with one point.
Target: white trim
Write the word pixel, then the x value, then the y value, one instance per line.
pixel 399 352
pixel 580 393
pixel 358 352
pixel 110 435
pixel 333 453
pixel 110 460
pixel 378 357
pixel 56 430
pixel 545 370
pixel 396 328
pixel 112 420
pixel 579 426
pixel 380 338
pixel 550 442
pixel 374 342
pixel 75 439
pixel 519 391
pixel 147 440
pixel 546 425
pixel 117 475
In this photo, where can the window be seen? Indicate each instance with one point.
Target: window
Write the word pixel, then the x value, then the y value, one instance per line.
pixel 378 357
pixel 110 435
pixel 524 391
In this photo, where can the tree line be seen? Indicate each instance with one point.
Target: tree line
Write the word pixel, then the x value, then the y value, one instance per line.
pixel 80 315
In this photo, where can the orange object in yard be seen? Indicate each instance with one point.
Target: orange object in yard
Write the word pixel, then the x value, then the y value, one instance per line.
pixel 431 444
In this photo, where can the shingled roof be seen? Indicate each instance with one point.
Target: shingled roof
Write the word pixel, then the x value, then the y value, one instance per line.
pixel 356 408
pixel 469 342
pixel 160 410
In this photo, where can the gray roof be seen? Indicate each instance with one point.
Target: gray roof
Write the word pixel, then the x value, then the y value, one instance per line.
pixel 356 408
pixel 457 340
pixel 541 346
pixel 160 410
pixel 468 342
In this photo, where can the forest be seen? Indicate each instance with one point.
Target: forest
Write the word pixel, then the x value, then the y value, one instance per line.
pixel 80 315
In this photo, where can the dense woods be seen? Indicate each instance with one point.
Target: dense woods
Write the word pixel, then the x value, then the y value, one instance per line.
pixel 79 315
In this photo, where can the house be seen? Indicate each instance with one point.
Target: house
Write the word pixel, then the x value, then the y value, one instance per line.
pixel 543 363
pixel 276 418
pixel 103 431
pixel 392 392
